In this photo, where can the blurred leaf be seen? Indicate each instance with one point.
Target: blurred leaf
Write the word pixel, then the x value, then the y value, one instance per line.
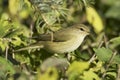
pixel 17 41
pixel 94 18
pixel 98 66
pixel 20 8
pixel 89 75
pixel 113 12
pixel 55 27
pixel 4 25
pixel 112 74
pixel 59 63
pixel 26 9
pixel 88 2
pixel 104 54
pixel 50 74
pixel 111 2
pixel 14 6
pixel 6 68
pixel 114 42
pixel 76 68
pixel 49 18
pixel 50 10
pixel 23 57
pixel 3 43
pixel 116 59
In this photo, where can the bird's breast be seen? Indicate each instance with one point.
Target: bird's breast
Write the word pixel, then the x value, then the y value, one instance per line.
pixel 63 47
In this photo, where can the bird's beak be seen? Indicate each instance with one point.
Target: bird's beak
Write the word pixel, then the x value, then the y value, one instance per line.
pixel 88 33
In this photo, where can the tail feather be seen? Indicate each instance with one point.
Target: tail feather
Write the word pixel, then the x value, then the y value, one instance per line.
pixel 29 47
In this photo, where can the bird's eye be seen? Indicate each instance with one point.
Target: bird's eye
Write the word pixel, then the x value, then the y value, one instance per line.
pixel 81 29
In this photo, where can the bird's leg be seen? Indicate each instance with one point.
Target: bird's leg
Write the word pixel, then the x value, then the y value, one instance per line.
pixel 52 36
pixel 69 56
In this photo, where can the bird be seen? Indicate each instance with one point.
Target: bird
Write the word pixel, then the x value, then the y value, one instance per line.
pixel 64 40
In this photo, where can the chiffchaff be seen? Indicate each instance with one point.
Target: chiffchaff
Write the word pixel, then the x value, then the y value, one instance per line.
pixel 64 40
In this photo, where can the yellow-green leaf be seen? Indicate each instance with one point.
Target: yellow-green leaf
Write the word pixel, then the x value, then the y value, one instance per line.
pixel 89 75
pixel 94 18
pixel 50 74
pixel 13 6
pixel 76 68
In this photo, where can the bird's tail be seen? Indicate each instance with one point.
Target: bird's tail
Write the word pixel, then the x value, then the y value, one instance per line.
pixel 29 47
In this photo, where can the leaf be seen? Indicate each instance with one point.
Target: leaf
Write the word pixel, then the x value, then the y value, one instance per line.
pixel 14 6
pixel 104 54
pixel 59 63
pixel 6 67
pixel 17 41
pixel 50 74
pixel 21 8
pixel 113 12
pixel 3 44
pixel 94 18
pixel 112 74
pixel 89 75
pixel 49 18
pixel 114 42
pixel 76 68
pixel 111 2
pixel 4 25
pixel 117 59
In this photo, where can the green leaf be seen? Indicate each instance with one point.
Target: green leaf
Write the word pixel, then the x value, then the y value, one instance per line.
pixel 89 75
pixel 117 59
pixel 59 63
pixel 111 2
pixel 5 67
pixel 114 42
pixel 50 74
pixel 113 12
pixel 17 41
pixel 76 68
pixel 3 44
pixel 4 28
pixel 49 18
pixel 104 54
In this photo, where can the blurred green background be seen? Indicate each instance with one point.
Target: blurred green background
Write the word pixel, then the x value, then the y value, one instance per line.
pixel 97 58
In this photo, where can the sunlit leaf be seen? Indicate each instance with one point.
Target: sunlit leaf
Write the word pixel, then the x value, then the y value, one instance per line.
pixel 3 44
pixel 112 74
pixel 50 74
pixel 14 6
pixel 89 75
pixel 4 25
pixel 19 7
pixel 94 18
pixel 76 68
pixel 17 41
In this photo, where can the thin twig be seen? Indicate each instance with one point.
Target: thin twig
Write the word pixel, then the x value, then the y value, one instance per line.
pixel 109 63
pixel 94 56
pixel 105 40
pixel 118 73
pixel 6 53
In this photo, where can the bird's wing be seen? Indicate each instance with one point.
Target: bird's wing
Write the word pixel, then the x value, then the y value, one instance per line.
pixel 43 37
pixel 55 37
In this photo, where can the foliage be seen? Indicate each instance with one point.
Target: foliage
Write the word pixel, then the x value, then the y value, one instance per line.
pixel 97 58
